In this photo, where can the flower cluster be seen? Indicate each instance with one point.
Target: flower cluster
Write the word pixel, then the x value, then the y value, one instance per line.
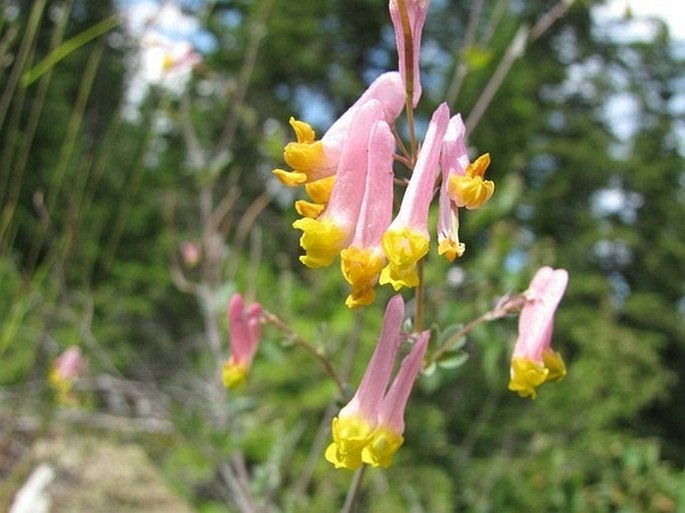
pixel 349 177
pixel 369 428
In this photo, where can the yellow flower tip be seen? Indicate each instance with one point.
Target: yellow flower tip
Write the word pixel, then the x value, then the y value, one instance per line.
pixel 479 166
pixel 381 450
pixel 451 249
pixel 525 376
pixel 471 190
pixel 303 131
pixel 320 190
pixel 304 156
pixel 360 297
pixel 403 248
pixel 290 178
pixel 234 375
pixel 321 240
pixel 62 387
pixel 554 363
pixel 350 436
pixel 309 209
pixel 360 267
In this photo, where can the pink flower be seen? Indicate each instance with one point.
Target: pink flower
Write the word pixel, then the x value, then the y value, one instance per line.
pixel 66 369
pixel 369 428
pixel 244 325
pixel 69 365
pixel 325 236
pixel 354 427
pixel 313 159
pixel 533 361
pixel 387 438
pixel 408 18
pixel 407 239
pixel 362 261
pixel 454 160
pixel 191 253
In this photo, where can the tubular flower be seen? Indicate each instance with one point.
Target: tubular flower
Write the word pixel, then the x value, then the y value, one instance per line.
pixel 324 237
pixel 313 159
pixel 320 193
pixel 533 361
pixel 453 161
pixel 66 369
pixel 407 240
pixel 387 437
pixel 244 325
pixel 471 190
pixel 353 428
pixel 408 18
pixel 362 261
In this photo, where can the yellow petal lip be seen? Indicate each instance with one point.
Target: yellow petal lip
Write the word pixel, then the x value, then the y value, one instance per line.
pixel 451 249
pixel 322 240
pixel 290 178
pixel 527 374
pixel 309 209
pixel 234 375
pixel 303 131
pixel 404 248
pixel 320 190
pixel 360 268
pixel 382 448
pixel 471 190
pixel 479 166
pixel 350 436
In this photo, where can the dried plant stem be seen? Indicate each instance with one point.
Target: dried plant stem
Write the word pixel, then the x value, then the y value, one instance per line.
pixel 353 491
pixel 317 353
pixel 503 308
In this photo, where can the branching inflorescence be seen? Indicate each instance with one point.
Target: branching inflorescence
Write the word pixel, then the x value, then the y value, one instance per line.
pixel 349 178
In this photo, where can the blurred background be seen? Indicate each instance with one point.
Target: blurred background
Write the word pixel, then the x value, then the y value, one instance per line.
pixel 137 141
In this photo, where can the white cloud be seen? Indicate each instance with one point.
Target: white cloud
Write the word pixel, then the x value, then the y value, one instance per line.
pixel 638 16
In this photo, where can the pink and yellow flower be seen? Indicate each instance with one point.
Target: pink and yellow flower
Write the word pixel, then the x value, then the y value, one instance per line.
pixel 388 435
pixel 533 361
pixel 470 189
pixel 245 329
pixel 454 160
pixel 361 263
pixel 408 18
pixel 312 159
pixel 65 370
pixel 407 239
pixel 353 429
pixel 325 236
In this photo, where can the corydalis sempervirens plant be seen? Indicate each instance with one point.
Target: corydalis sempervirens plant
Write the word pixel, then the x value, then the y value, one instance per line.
pixel 349 177
pixel 533 361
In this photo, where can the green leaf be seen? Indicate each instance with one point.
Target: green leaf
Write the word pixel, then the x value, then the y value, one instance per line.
pixel 68 47
pixel 453 360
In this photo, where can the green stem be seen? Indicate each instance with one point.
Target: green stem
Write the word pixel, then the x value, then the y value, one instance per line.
pixel 420 298
pixel 311 349
pixel 510 305
pixel 353 492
